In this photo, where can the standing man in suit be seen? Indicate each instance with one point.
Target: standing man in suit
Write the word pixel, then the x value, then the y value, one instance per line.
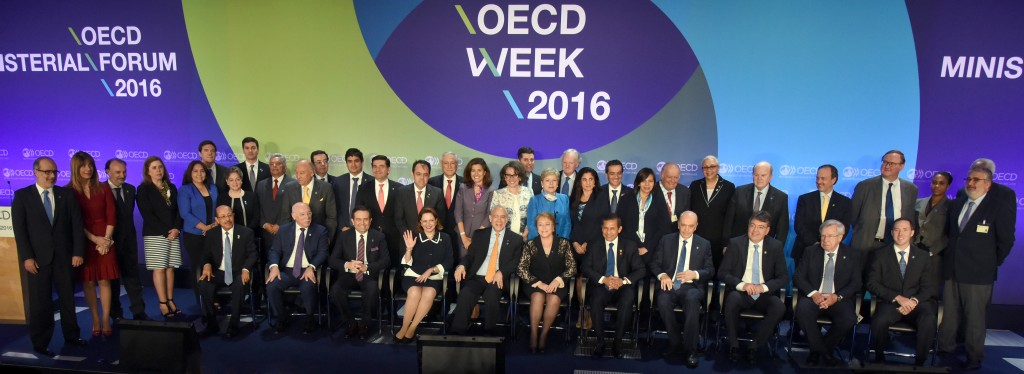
pixel 449 183
pixel 709 198
pixel 347 186
pixel 758 196
pixel 380 199
pixel 318 195
pixel 490 261
pixel 981 227
pixel 230 253
pixel 828 278
pixel 50 236
pixel 878 202
pixel 127 242
pixel 612 268
pixel 1008 195
pixel 358 256
pixel 414 197
pixel 753 269
pixel 676 196
pixel 321 165
pixel 901 279
pixel 683 263
pixel 271 196
pixel 567 177
pixel 298 250
pixel 253 170
pixel 816 207
pixel 217 173
pixel 525 155
pixel 612 195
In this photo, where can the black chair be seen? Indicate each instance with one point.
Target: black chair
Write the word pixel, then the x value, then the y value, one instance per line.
pixel 397 294
pixel 356 293
pixel 611 307
pixel 824 321
pixel 746 314
pixel 293 292
pixel 523 300
pixel 505 301
pixel 654 284
pixel 903 327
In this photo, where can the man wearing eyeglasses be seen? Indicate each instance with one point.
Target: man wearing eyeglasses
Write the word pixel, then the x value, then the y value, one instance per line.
pixel 878 202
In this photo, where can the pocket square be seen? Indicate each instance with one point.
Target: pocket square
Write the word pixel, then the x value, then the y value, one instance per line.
pixel 374 249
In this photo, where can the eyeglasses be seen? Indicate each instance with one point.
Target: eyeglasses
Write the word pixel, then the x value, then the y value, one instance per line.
pixel 975 180
pixel 511 175
pixel 48 172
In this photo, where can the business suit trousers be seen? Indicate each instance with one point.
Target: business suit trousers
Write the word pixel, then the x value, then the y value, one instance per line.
pixel 128 265
pixel 194 246
pixel 58 274
pixel 344 285
pixel 843 318
pixel 968 302
pixel 275 294
pixel 924 317
pixel 624 298
pixel 689 298
pixel 767 303
pixel 208 291
pixel 472 288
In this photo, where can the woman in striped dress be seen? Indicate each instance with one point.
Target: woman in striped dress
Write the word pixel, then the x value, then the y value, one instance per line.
pixel 161 222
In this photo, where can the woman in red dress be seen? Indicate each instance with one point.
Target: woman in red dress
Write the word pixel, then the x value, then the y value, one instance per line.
pixel 99 218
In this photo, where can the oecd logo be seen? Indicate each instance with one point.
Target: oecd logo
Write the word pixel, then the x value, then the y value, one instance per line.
pixel 790 170
pixel 7 173
pixel 850 172
pixel 660 166
pixel 131 155
pixel 72 151
pixel 3 153
pixel 6 192
pixel 222 156
pixel 399 160
pixel 433 161
pixel 632 166
pixel 601 165
pixel 1004 177
pixel 33 153
pixel 404 180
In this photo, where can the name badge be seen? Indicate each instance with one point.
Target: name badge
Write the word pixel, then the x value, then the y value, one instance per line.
pixel 674 218
pixel 983 229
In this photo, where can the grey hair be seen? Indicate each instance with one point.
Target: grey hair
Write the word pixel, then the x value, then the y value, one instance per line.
pixel 833 223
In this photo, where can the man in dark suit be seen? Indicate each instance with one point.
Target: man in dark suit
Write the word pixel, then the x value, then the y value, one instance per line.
pixel 358 256
pixel 683 284
pixel 380 197
pixel 753 269
pixel 321 166
pixel 217 173
pixel 525 155
pixel 319 196
pixel 127 242
pixel 901 279
pixel 489 263
pixel 229 254
pixel 253 170
pixel 50 236
pixel 981 227
pixel 347 187
pixel 567 176
pixel 675 195
pixel 270 194
pixel 816 207
pixel 612 268
pixel 412 198
pixel 827 279
pixel 298 250
pixel 878 202
pixel 758 196
pixel 613 194
pixel 449 182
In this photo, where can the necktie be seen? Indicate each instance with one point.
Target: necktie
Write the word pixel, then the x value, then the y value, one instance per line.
pixel 228 274
pixel 609 268
pixel 275 190
pixel 890 214
pixel 252 177
pixel 830 274
pixel 615 200
pixel 903 263
pixel 48 206
pixel 117 194
pixel 757 202
pixel 213 175
pixel 680 267
pixel 305 194
pixel 360 255
pixel 824 206
pixel 670 212
pixel 448 194
pixel 299 247
pixel 565 186
pixel 492 265
pixel 352 194
pixel 380 197
pixel 419 201
pixel 755 271
pixel 967 216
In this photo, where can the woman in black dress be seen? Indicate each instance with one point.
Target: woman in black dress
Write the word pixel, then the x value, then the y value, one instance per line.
pixel 546 268
pixel 428 255
pixel 244 204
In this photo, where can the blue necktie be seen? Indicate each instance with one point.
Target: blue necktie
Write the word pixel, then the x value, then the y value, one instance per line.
pixel 609 269
pixel 830 274
pixel 615 200
pixel 297 262
pixel 48 206
pixel 890 214
pixel 903 263
pixel 755 271
pixel 352 194
pixel 228 274
pixel 565 186
pixel 680 267
pixel 963 222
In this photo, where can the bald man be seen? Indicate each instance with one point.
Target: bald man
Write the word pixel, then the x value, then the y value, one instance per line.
pixel 675 195
pixel 318 195
pixel 758 196
pixel 683 264
pixel 299 248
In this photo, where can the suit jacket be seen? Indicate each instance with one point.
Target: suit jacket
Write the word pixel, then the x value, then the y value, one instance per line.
pixel 885 281
pixel 807 220
pixel 271 209
pixel 383 221
pixel 931 226
pixel 36 237
pixel 243 249
pixel 406 216
pixel 655 221
pixel 535 186
pixel 283 250
pixel 192 207
pixel 587 228
pixel 346 247
pixel 974 255
pixel 666 260
pixel 773 263
pixel 681 198
pixel 711 209
pixel 342 185
pixel 810 270
pixel 508 256
pixel 125 234
pixel 559 189
pixel 628 263
pixel 262 172
pixel 157 217
pixel 450 226
pixel 321 203
pixel 867 208
pixel 603 204
pixel 741 207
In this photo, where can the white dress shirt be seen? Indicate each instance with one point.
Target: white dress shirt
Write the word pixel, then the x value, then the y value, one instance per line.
pixel 53 203
pixel 897 202
pixel 681 251
pixel 747 273
pixel 230 233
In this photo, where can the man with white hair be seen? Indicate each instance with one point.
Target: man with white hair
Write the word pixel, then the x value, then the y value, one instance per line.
pixel 754 197
pixel 566 177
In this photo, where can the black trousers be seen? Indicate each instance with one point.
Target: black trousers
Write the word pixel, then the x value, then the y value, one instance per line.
pixel 194 247
pixel 767 303
pixel 965 304
pixel 689 298
pixel 472 288
pixel 924 317
pixel 128 265
pixel 344 285
pixel 208 290
pixel 843 318
pixel 58 274
pixel 624 298
pixel 275 294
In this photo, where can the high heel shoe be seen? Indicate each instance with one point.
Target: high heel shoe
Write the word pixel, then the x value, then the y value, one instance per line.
pixel 108 332
pixel 175 311
pixel 169 313
pixel 95 332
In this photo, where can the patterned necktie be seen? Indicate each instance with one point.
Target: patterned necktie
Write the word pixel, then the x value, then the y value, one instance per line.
pixel 360 255
pixel 680 267
pixel 48 206
pixel 903 263
pixel 228 273
pixel 890 214
pixel 757 202
pixel 824 206
pixel 300 246
pixel 305 194
pixel 380 197
pixel 448 194
pixel 252 177
pixel 670 212
pixel 275 190
pixel 830 274
pixel 492 265
pixel 615 200
pixel 967 216
pixel 609 268
pixel 419 201
pixel 755 271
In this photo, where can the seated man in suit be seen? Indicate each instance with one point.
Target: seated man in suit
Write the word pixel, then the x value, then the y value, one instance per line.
pixel 815 207
pixel 490 260
pixel 753 268
pixel 902 280
pixel 828 277
pixel 612 269
pixel 229 252
pixel 299 248
pixel 358 256
pixel 683 262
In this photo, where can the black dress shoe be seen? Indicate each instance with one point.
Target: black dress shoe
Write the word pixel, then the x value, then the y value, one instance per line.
pixel 972 366
pixel 599 351
pixel 140 317
pixel 77 342
pixel 734 354
pixel 279 328
pixel 363 331
pixel 542 350
pixel 752 355
pixel 830 361
pixel 44 352
pixel 231 332
pixel 310 327
pixel 351 330
pixel 692 361
pixel 616 351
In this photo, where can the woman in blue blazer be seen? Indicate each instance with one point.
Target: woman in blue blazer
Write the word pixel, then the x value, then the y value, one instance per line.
pixel 196 199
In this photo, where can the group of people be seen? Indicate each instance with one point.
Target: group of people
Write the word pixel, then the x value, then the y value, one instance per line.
pixel 253 225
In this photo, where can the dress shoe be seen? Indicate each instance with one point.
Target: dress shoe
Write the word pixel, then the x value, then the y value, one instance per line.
pixel 77 342
pixel 972 366
pixel 830 360
pixel 231 332
pixel 672 351
pixel 279 328
pixel 734 354
pixel 533 350
pixel 310 326
pixel 752 355
pixel 814 359
pixel 44 352
pixel 363 331
pixel 616 351
pixel 692 361
pixel 542 350
pixel 599 351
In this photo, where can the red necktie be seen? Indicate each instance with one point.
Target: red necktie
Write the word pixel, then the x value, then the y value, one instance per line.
pixel 275 189
pixel 448 194
pixel 670 203
pixel 419 201
pixel 380 197
pixel 360 255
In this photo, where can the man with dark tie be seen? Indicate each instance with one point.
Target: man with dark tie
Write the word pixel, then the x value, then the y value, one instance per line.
pixel 358 256
pixel 982 229
pixel 270 194
pixel 253 170
pixel 316 194
pixel 321 165
pixel 612 268
pixel 816 207
pixel 676 196
pixel 229 253
pixel 902 281
pixel 525 155
pixel 878 202
pixel 412 198
pixel 215 172
pixel 489 263
pixel 380 197
pixel 828 278
pixel 298 250
pixel 449 182
pixel 613 194
pixel 50 235
pixel 758 196
pixel 683 263
pixel 127 242
pixel 753 269
pixel 566 177
pixel 347 186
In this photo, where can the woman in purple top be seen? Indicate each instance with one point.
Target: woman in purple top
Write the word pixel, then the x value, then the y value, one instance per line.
pixel 471 202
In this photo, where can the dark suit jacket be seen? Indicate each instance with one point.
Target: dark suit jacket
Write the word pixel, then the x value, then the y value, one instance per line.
pixel 681 198
pixel 931 227
pixel 321 203
pixel 535 186
pixel 125 234
pixel 157 217
pixel 406 216
pixel 866 208
pixel 773 263
pixel 810 270
pixel 628 263
pixel 807 219
pixel 741 207
pixel 559 189
pixel 655 221
pixel 262 172
pixel 243 249
pixel 666 261
pixel 711 209
pixel 342 185
pixel 885 281
pixel 36 237
pixel 974 257
pixel 383 221
pixel 450 226
pixel 602 201
pixel 587 228
pixel 508 256
pixel 315 249
pixel 347 245
pixel 270 209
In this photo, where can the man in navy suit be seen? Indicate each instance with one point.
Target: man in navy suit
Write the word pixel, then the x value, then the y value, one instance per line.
pixel 299 248
pixel 612 268
pixel 567 176
pixel 127 242
pixel 215 172
pixel 827 278
pixel 50 236
pixel 683 284
pixel 228 257
pixel 495 246
pixel 358 256
pixel 253 170
pixel 347 187
pixel 380 197
pixel 449 182
pixel 758 196
pixel 814 208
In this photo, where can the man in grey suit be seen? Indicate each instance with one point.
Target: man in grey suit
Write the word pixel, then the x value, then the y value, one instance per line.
pixel 317 194
pixel 270 194
pixel 754 197
pixel 880 201
pixel 416 196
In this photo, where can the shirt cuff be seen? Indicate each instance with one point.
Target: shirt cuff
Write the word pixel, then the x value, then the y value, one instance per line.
pixel 600 280
pixel 442 269
pixel 697 276
pixel 408 263
pixel 739 287
pixel 626 281
pixel 765 287
pixel 273 266
pixel 812 293
pixel 659 276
